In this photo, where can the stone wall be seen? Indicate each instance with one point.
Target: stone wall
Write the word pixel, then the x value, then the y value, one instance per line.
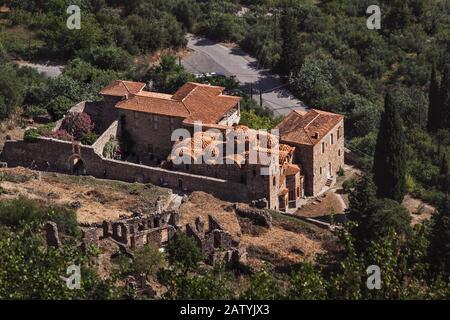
pixel 260 217
pixel 150 133
pixel 61 155
pixel 112 132
pixel 333 154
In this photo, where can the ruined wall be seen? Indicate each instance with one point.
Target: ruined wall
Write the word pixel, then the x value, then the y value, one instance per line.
pixel 61 155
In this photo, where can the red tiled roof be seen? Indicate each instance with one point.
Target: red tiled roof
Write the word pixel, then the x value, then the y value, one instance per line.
pixel 121 88
pixel 301 128
pixel 193 101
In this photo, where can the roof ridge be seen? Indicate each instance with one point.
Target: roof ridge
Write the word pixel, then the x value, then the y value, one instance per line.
pixel 317 115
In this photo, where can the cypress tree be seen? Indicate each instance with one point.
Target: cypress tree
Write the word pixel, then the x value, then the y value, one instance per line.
pixel 389 166
pixel 444 106
pixel 289 59
pixel 434 102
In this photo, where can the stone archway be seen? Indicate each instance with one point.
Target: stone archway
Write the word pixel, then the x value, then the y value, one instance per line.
pixel 77 165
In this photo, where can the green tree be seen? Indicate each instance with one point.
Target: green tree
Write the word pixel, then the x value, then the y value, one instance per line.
pixel 208 285
pixel 262 286
pixel 444 110
pixel 434 102
pixel 290 48
pixel 147 261
pixel 389 161
pixel 307 284
pixel 184 252
pixel 439 249
pixel 168 76
pixel 374 218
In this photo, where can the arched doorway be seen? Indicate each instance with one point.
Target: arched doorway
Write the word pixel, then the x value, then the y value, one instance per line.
pixel 77 165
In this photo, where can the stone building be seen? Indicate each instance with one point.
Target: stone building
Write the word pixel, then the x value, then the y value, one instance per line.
pixel 228 160
pixel 318 138
pixel 150 118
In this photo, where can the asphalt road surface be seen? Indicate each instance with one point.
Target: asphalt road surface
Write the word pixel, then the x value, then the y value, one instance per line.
pixel 209 56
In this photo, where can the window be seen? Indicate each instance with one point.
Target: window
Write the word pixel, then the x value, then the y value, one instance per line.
pixel 339 152
pixel 339 133
pixel 323 147
pixel 274 181
pixel 320 170
pixel 331 139
pixel 298 191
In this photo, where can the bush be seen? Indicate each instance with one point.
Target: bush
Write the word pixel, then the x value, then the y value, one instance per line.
pixel 89 138
pixel 31 135
pixel 60 135
pixel 184 251
pixel 148 260
pixel 77 124
pixel 17 213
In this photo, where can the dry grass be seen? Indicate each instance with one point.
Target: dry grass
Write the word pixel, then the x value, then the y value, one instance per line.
pixel 95 200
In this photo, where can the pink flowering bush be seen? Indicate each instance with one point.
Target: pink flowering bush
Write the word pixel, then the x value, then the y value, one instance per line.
pixel 77 124
pixel 60 134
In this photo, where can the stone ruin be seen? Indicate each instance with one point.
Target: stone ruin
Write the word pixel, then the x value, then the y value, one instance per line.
pixel 156 229
pixel 258 216
pixel 216 244
pixel 129 233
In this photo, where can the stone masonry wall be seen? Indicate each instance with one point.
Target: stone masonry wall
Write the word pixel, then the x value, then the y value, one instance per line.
pixel 60 155
pixel 331 155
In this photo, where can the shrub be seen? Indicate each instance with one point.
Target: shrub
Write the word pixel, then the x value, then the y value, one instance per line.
pixel 31 135
pixel 17 213
pixel 184 251
pixel 77 124
pixel 60 135
pixel 89 138
pixel 148 260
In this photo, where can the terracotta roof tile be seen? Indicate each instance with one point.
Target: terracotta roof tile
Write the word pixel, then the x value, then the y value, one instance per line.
pixel 193 101
pixel 301 128
pixel 121 88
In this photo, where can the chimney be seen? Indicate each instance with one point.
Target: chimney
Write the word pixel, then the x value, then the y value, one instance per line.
pixel 316 135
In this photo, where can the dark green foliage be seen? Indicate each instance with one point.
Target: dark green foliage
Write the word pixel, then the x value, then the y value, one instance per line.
pixel 434 102
pixel 389 161
pixel 31 135
pixel 11 90
pixel 373 217
pixel 31 271
pixel 16 214
pixel 184 252
pixel 168 76
pixel 439 249
pixel 307 284
pixel 147 261
pixel 444 110
pixel 89 138
pixel 209 285
pixel 262 287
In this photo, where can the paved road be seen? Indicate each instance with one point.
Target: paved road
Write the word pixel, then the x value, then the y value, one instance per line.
pixel 210 56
